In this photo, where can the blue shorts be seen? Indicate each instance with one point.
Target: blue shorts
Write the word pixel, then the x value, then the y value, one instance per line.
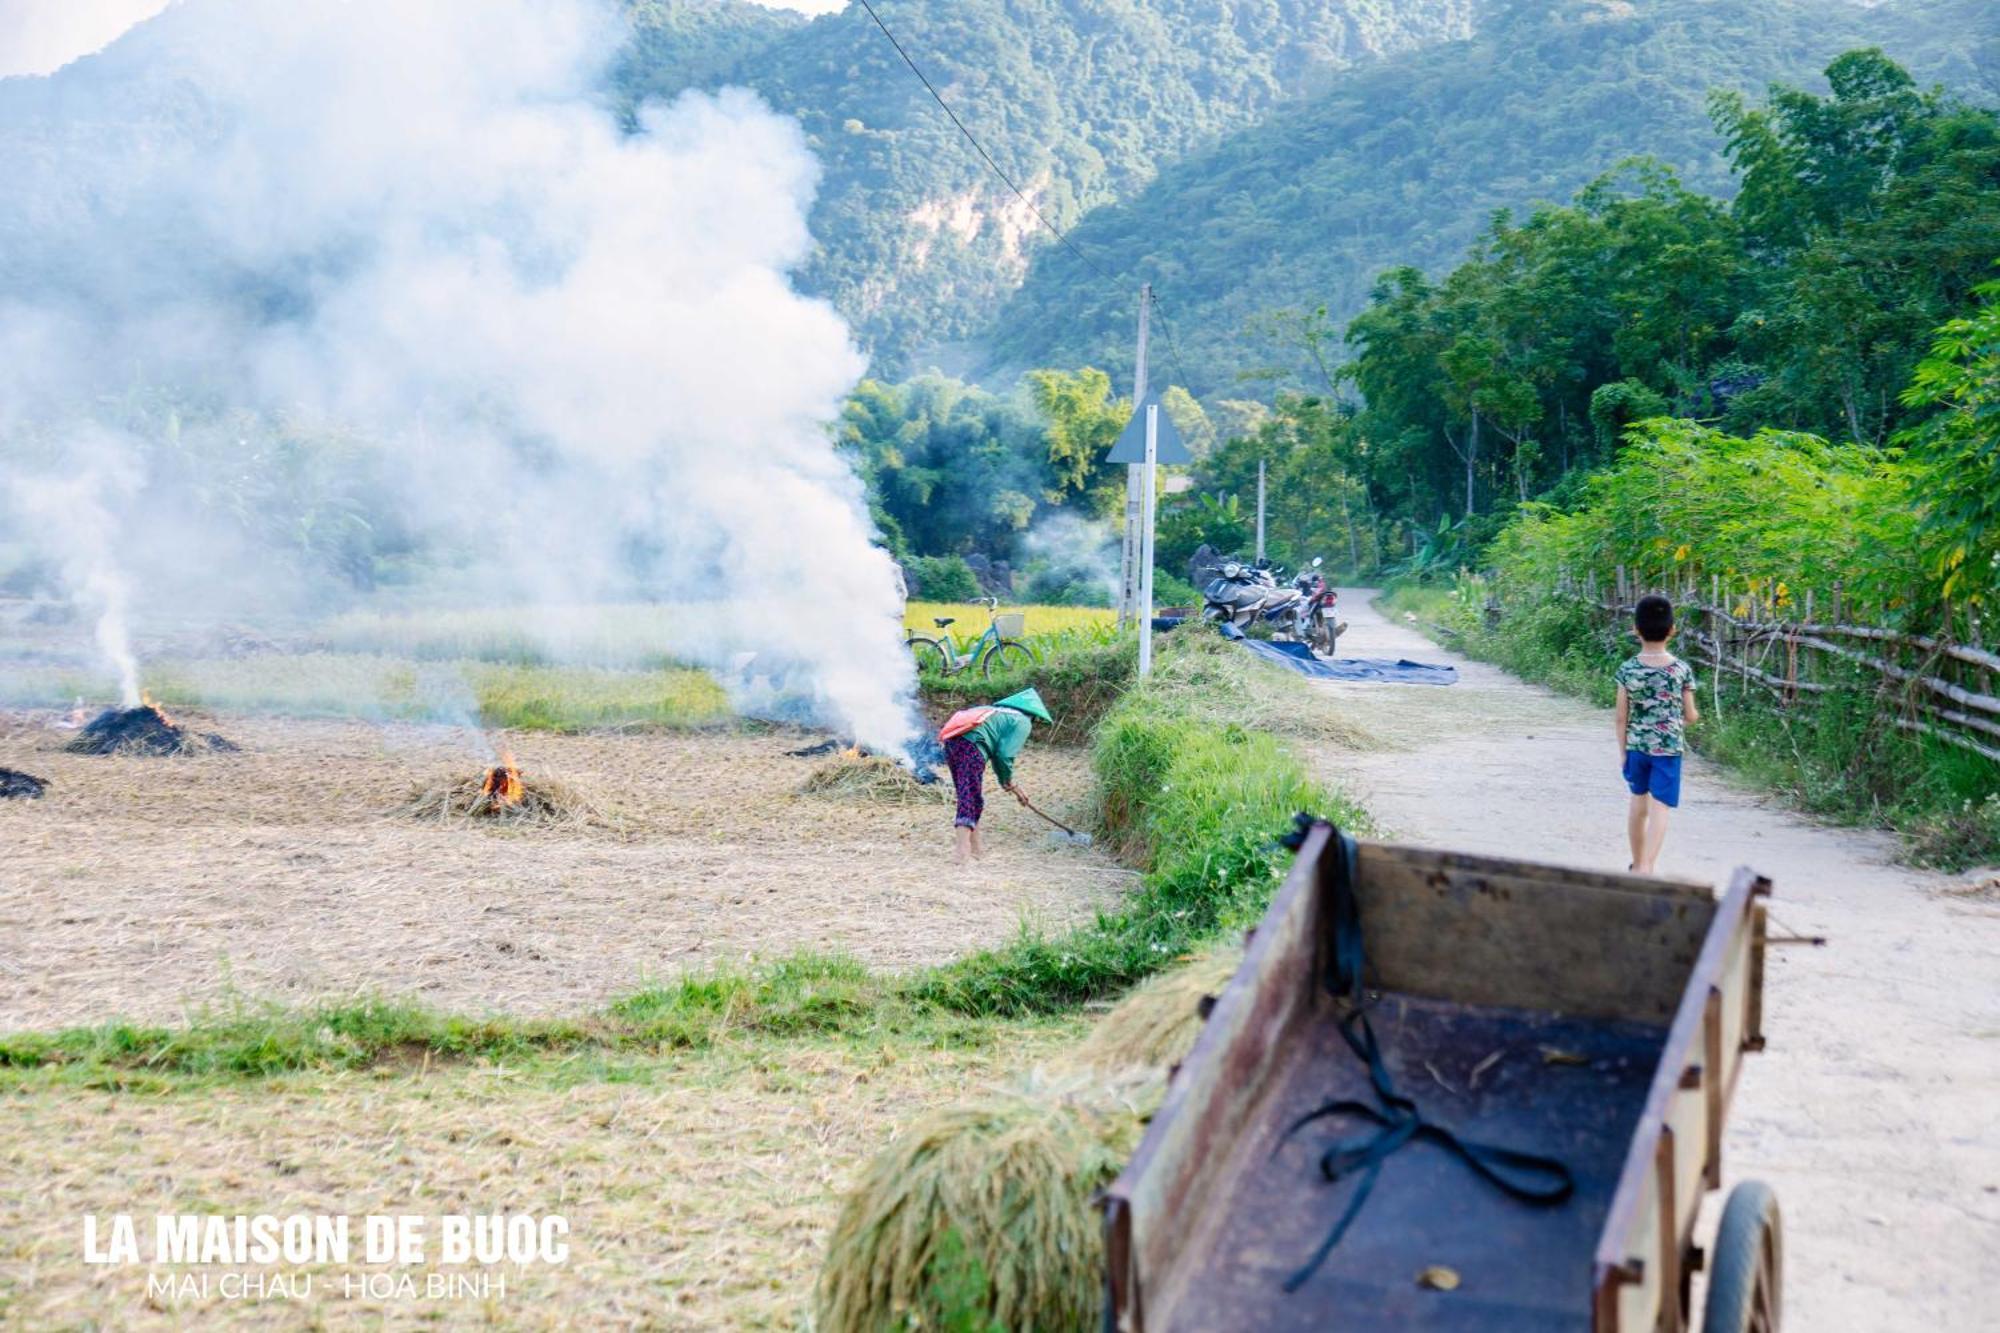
pixel 1658 775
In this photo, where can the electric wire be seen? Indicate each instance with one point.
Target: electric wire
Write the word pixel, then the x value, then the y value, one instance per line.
pixel 1173 343
pixel 980 148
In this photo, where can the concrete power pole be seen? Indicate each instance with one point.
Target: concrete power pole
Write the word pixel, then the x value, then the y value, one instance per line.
pixel 1128 574
pixel 1260 509
pixel 1146 541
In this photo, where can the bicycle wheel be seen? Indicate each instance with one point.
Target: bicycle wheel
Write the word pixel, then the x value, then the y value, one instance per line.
pixel 1006 656
pixel 931 657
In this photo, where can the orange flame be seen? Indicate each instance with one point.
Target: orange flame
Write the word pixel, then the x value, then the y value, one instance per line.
pixel 854 752
pixel 503 781
pixel 146 701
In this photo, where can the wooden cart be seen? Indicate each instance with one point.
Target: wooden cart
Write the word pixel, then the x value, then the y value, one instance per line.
pixel 1597 1018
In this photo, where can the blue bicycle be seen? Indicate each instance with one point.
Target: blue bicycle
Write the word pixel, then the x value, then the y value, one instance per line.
pixel 996 652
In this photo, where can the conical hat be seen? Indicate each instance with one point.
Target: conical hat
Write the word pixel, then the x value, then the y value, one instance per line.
pixel 1027 701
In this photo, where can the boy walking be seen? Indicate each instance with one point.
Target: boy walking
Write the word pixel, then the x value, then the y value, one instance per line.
pixel 1655 707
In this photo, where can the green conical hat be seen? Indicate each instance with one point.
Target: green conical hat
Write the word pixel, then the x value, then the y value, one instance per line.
pixel 1029 702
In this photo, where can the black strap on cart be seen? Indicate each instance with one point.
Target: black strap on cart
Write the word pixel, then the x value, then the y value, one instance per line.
pixel 1529 1177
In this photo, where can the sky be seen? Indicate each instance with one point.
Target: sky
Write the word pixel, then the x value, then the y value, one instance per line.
pixel 40 36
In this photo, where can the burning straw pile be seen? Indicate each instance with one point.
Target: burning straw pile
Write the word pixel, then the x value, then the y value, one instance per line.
pixel 501 795
pixel 859 776
pixel 145 730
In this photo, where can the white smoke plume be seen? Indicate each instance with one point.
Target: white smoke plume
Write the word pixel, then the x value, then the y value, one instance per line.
pixel 73 520
pixel 568 349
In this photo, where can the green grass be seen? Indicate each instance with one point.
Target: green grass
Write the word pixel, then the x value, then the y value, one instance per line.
pixel 1197 800
pixel 494 694
pixel 1837 756
pixel 799 997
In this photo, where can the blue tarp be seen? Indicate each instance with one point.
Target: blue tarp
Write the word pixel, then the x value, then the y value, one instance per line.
pixel 1303 660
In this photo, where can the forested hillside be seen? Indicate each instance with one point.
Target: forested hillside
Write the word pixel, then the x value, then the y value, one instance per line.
pixel 681 44
pixel 1403 163
pixel 1079 101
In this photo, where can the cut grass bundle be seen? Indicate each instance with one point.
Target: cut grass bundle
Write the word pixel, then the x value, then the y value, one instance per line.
pixel 1155 1026
pixel 873 778
pixel 980 1216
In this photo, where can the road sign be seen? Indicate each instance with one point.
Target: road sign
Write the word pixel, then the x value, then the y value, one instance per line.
pixel 1131 446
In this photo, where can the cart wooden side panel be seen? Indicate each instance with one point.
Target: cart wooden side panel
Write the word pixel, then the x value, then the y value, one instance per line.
pixel 1676 1157
pixel 1151 1209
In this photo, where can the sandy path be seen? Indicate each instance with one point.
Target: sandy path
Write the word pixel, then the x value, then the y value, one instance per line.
pixel 1874 1111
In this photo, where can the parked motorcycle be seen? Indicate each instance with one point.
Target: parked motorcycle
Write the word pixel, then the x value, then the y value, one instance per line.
pixel 1242 595
pixel 1315 614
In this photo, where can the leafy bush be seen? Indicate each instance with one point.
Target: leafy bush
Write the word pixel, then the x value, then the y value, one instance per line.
pixel 1172 590
pixel 1685 504
pixel 943 578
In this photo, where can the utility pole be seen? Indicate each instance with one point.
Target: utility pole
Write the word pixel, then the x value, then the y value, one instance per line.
pixel 1146 538
pixel 1260 509
pixel 1128 574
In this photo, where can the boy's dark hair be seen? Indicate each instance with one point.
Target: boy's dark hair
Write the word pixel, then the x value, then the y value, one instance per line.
pixel 1653 617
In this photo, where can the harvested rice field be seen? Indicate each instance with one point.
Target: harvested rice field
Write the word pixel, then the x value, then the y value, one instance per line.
pixel 330 859
pixel 699 1188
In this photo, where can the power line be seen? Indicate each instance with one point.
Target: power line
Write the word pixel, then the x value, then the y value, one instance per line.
pixel 1173 343
pixel 970 138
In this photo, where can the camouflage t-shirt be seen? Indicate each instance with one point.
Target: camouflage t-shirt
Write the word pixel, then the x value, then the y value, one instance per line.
pixel 1656 721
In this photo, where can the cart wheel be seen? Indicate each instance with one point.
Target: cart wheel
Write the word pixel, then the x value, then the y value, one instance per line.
pixel 1747 1266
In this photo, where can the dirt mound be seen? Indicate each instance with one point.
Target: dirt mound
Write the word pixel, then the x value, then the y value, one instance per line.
pixel 143 730
pixel 19 786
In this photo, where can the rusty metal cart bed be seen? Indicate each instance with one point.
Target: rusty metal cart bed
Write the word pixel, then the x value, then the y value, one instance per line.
pixel 1598 1019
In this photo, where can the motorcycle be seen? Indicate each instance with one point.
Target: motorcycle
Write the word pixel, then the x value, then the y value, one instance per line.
pixel 1315 615
pixel 1242 595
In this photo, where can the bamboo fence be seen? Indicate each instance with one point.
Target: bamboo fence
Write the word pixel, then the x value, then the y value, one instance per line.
pixel 1937 685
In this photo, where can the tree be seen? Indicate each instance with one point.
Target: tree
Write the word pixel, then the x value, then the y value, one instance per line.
pixel 1082 419
pixel 1958 450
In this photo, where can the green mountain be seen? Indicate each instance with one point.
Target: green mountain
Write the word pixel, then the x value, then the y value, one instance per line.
pixel 681 44
pixel 1405 162
pixel 1081 102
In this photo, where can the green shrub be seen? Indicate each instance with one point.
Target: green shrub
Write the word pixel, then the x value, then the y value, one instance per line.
pixel 1080 674
pixel 1068 585
pixel 1172 590
pixel 943 578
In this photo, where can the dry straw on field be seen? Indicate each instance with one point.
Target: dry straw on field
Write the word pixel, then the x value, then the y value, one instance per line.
pixel 1009 1177
pixel 872 778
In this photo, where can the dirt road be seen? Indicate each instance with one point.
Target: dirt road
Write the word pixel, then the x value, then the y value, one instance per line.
pixel 1875 1112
